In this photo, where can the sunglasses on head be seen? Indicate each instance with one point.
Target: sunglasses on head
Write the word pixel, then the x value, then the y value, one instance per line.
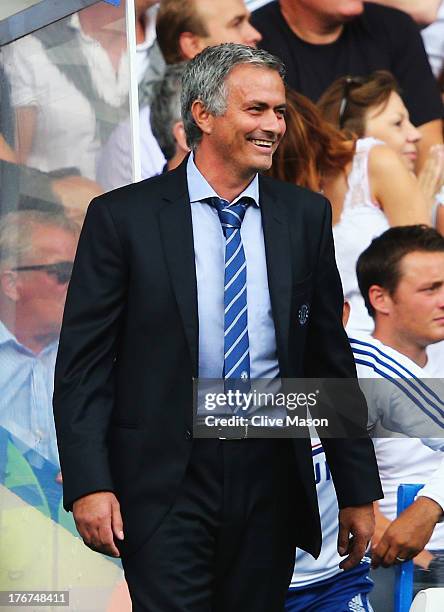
pixel 350 82
pixel 61 270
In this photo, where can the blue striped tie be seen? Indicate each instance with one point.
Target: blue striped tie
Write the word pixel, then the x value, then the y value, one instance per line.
pixel 236 344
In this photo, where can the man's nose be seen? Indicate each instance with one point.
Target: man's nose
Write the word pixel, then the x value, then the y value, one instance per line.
pixel 272 123
pixel 252 36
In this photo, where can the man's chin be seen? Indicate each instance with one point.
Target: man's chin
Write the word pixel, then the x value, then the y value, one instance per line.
pixel 264 163
pixel 437 336
pixel 349 16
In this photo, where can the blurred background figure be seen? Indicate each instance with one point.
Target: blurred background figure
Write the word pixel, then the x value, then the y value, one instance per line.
pixel 424 12
pixel 433 37
pixel 166 117
pixel 69 88
pixel 321 41
pixel 19 181
pixel 184 28
pixel 372 106
pixel 36 255
pixel 369 185
pixel 149 60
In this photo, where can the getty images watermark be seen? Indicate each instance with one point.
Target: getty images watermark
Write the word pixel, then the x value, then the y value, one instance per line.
pixel 334 408
pixel 255 408
pixel 259 409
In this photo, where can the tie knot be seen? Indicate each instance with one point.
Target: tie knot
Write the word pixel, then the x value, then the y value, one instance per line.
pixel 230 215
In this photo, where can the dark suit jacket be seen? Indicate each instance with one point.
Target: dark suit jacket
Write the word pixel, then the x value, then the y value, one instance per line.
pixel 129 348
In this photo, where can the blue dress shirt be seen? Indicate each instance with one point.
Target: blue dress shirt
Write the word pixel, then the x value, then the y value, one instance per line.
pixel 209 249
pixel 26 383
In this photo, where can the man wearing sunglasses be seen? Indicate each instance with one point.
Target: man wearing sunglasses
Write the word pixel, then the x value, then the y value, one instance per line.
pixel 36 254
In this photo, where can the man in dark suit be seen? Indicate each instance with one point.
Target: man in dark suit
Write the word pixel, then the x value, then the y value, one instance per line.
pixel 208 524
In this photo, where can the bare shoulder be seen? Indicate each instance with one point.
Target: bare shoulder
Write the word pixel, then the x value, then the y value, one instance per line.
pixel 382 160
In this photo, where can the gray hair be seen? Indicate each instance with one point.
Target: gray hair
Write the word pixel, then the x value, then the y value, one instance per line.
pixel 16 233
pixel 165 108
pixel 205 79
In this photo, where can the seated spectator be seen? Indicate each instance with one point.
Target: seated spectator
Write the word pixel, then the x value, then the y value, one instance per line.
pixel 186 28
pixel 372 107
pixel 364 179
pixel 18 181
pixel 36 255
pixel 183 29
pixel 64 114
pixel 166 119
pixel 115 161
pixel 320 42
pixel 401 276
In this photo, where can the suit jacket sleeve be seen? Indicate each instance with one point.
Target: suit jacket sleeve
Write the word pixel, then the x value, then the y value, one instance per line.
pixel 328 355
pixel 83 387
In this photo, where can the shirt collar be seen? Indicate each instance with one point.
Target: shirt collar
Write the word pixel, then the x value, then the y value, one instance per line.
pixel 199 188
pixel 7 337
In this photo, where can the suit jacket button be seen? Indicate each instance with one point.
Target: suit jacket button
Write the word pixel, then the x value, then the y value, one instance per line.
pixel 188 434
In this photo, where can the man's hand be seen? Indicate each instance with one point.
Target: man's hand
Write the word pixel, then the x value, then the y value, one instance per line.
pixel 356 526
pixel 98 520
pixel 408 534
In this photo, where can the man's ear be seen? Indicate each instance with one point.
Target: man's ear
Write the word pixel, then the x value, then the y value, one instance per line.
pixel 9 285
pixel 190 45
pixel 380 299
pixel 203 119
pixel 179 136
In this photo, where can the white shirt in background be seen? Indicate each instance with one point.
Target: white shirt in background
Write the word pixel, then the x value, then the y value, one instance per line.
pixel 403 399
pixel 433 37
pixel 361 220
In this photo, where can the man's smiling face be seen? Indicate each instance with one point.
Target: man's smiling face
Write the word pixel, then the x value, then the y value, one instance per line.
pixel 249 131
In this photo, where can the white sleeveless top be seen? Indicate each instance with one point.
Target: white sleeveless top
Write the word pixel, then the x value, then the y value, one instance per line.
pixel 361 221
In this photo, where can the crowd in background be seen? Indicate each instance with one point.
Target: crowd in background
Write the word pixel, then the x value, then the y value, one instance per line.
pixel 365 85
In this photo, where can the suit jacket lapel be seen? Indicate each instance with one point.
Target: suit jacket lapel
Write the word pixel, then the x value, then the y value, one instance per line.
pixel 177 236
pixel 278 256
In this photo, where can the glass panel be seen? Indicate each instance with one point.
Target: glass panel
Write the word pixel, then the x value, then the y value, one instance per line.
pixel 63 91
pixel 11 7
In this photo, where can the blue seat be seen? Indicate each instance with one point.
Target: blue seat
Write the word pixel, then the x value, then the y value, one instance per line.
pixel 404 571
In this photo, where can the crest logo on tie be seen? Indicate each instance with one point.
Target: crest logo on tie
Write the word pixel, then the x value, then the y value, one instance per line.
pixel 303 314
pixel 244 376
